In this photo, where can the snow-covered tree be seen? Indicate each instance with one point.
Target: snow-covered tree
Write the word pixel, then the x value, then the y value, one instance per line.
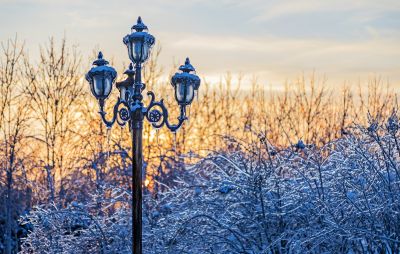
pixel 343 197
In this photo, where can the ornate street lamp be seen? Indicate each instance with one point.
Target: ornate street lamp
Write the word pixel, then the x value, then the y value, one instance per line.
pixel 101 77
pixel 129 107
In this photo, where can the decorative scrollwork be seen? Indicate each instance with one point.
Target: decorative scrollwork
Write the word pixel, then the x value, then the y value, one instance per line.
pixel 158 118
pixel 156 113
pixel 123 114
pixel 154 116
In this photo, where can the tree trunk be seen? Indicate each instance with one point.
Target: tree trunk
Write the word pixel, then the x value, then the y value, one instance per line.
pixel 9 210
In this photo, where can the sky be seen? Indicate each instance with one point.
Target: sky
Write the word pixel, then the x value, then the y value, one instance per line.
pixel 274 41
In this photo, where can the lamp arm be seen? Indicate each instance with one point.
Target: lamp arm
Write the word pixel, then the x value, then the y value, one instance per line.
pixel 159 119
pixel 116 111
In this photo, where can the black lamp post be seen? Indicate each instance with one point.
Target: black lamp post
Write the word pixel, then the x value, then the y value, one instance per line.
pixel 129 107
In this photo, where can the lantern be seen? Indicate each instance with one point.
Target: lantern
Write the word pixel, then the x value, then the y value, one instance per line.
pixel 185 84
pixel 101 78
pixel 139 43
pixel 126 87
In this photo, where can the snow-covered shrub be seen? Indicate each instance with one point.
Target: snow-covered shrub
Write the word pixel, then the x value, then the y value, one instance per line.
pixel 101 226
pixel 340 198
pixel 343 197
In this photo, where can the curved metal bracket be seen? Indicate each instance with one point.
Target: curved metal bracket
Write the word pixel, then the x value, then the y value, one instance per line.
pixel 160 118
pixel 123 113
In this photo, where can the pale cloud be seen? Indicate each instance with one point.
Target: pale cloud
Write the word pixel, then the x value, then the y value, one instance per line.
pixel 275 40
pixel 282 46
pixel 365 10
pixel 273 57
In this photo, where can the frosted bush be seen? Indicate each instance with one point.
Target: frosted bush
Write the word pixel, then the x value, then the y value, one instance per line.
pixel 343 198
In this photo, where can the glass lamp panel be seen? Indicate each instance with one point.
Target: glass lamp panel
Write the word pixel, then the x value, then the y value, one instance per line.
pixel 98 85
pixel 145 52
pixel 189 93
pixel 122 93
pixel 137 53
pixel 180 92
pixel 107 86
pixel 130 51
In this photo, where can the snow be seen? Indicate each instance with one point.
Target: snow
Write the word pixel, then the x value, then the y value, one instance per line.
pixel 340 198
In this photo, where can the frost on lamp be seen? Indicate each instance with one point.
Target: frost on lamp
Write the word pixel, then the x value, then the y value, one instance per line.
pixel 139 42
pixel 185 84
pixel 101 78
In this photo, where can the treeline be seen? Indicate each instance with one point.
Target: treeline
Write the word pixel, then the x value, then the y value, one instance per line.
pixel 55 149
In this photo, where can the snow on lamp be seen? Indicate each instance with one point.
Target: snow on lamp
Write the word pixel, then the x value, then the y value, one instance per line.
pixel 101 78
pixel 139 43
pixel 185 84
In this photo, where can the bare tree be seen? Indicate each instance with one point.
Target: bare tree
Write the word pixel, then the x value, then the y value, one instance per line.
pixel 14 117
pixel 55 87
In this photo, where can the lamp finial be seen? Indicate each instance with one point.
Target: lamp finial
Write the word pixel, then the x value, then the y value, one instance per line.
pixel 187 67
pixel 100 61
pixel 140 26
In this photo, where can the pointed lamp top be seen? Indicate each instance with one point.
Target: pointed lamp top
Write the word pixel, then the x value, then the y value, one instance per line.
pixel 100 61
pixel 140 26
pixel 187 67
pixel 130 71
